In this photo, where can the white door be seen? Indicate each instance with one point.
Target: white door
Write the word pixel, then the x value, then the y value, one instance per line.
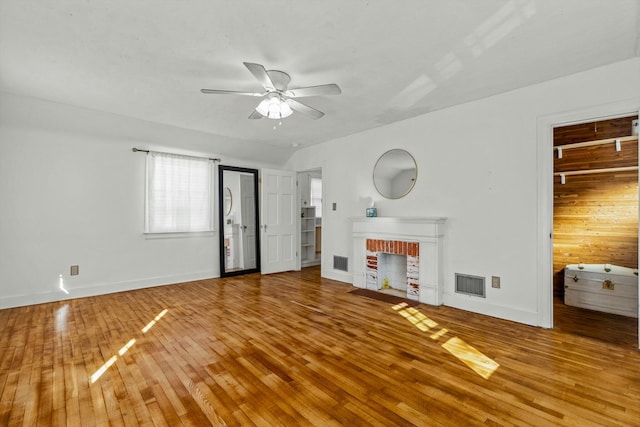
pixel 278 221
pixel 248 214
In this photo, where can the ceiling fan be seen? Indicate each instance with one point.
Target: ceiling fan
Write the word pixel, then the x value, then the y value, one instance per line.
pixel 277 100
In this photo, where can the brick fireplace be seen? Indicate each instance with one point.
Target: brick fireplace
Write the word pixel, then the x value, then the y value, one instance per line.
pixel 418 239
pixel 377 273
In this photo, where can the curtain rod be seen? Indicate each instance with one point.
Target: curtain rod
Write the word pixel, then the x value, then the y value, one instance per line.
pixel 136 150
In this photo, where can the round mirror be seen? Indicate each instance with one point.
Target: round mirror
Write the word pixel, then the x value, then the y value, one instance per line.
pixel 395 173
pixel 227 201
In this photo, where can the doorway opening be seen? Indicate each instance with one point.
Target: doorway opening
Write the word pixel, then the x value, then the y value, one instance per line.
pixel 310 193
pixel 595 229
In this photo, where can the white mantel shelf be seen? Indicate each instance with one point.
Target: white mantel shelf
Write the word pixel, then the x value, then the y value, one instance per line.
pixel 427 231
pixel 401 227
pixel 416 219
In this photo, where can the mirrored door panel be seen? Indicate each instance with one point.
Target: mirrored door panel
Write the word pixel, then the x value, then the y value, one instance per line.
pixel 238 213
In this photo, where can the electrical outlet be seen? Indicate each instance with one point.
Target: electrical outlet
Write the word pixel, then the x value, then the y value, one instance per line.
pixel 335 206
pixel 75 270
pixel 495 281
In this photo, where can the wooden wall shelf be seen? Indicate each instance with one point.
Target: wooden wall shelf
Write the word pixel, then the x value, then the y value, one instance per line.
pixel 617 141
pixel 561 148
pixel 590 171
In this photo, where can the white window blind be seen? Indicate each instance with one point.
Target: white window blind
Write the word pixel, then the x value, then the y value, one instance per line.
pixel 178 196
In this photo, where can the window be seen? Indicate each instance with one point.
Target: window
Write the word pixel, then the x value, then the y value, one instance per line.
pixel 316 195
pixel 178 195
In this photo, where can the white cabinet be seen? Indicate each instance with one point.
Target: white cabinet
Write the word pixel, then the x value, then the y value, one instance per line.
pixel 308 236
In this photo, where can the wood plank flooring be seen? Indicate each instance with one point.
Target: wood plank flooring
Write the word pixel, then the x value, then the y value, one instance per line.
pixel 293 350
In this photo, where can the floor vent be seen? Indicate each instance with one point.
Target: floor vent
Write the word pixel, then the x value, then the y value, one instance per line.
pixel 340 263
pixel 470 285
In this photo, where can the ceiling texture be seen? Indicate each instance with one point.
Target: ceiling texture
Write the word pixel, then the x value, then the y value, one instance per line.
pixel 392 59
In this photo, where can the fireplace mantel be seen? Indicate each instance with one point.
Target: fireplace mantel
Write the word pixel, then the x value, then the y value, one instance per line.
pixel 428 232
pixel 409 226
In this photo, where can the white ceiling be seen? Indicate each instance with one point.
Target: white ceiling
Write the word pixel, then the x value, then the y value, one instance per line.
pixel 148 59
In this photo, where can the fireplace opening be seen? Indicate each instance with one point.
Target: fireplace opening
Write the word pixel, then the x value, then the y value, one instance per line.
pixel 392 271
pixel 393 266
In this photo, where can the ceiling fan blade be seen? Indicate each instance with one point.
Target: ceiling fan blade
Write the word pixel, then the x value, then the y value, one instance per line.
pixel 330 89
pixel 255 115
pixel 304 109
pixel 230 92
pixel 261 74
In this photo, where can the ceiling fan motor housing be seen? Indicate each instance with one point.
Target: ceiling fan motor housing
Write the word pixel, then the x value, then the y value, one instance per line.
pixel 280 79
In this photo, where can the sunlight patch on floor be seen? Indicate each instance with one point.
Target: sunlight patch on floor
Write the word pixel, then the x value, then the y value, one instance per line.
pixel 126 347
pixel 471 357
pixel 474 359
pixel 97 374
pixel 153 322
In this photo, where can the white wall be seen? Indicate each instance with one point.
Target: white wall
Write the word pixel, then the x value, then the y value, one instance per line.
pixel 477 166
pixel 72 193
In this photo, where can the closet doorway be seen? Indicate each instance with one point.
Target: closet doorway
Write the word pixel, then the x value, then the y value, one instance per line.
pixel 595 228
pixel 310 196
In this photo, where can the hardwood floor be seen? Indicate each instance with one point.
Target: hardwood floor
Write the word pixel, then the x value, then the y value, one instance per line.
pixel 293 349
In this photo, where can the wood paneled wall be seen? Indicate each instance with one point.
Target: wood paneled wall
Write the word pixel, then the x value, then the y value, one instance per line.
pixel 595 216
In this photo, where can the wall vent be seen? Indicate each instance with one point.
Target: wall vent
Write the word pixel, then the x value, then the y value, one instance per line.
pixel 470 285
pixel 340 263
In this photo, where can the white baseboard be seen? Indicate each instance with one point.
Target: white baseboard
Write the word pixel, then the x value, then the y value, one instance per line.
pixel 473 304
pixel 337 275
pixel 100 289
pixel 429 295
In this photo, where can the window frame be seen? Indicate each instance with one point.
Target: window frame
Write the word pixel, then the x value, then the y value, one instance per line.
pixel 209 199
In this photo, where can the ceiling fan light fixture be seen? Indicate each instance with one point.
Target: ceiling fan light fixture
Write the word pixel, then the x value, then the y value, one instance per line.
pixel 285 110
pixel 274 107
